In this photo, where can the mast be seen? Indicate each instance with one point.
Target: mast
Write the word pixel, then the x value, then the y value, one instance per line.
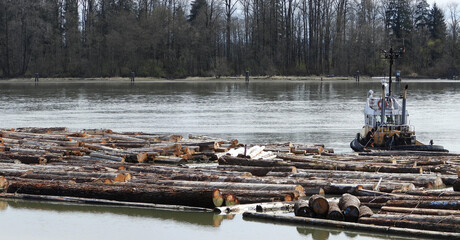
pixel 391 54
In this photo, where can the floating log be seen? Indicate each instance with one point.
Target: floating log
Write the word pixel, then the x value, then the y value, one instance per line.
pixel 255 196
pixel 313 191
pixel 234 185
pixel 437 193
pixel 258 171
pixel 384 199
pixel 302 209
pixel 107 157
pixel 68 199
pixel 119 192
pixel 229 160
pixel 421 180
pixel 365 211
pixel 421 211
pixel 349 205
pixel 169 160
pixel 420 218
pixel 256 207
pixel 441 227
pixel 456 185
pixel 319 205
pixel 334 212
pixel 433 204
pixel 325 164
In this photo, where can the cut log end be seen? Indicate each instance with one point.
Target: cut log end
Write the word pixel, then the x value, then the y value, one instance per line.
pixel 231 200
pixel 334 212
pixel 217 198
pixel 3 183
pixel 319 204
pixel 349 205
pixel 301 209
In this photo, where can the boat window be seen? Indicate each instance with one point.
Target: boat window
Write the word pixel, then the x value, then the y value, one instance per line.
pixel 377 120
pixel 369 120
pixel 390 119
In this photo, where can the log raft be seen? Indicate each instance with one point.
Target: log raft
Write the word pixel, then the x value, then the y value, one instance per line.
pixel 100 166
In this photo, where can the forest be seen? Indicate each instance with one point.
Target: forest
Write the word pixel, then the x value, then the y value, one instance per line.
pixel 181 38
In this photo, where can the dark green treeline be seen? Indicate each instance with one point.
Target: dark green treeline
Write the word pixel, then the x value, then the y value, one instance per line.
pixel 177 38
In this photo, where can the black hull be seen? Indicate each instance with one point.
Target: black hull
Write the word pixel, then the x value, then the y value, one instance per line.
pixel 358 147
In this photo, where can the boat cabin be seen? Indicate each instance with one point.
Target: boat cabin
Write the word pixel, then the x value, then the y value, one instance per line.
pixel 394 122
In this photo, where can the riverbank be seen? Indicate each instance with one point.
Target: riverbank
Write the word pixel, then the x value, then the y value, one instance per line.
pixel 223 78
pixel 191 79
pixel 148 170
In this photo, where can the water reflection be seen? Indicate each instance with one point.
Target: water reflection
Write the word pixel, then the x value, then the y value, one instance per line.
pixel 67 219
pixel 196 218
pixel 3 205
pixel 325 233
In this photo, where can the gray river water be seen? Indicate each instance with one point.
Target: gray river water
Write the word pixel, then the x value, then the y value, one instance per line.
pixel 254 113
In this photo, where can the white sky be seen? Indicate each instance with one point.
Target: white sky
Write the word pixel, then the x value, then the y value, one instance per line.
pixel 442 3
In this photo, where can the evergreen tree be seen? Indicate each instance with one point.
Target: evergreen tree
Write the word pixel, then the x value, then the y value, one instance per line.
pixel 398 19
pixel 198 6
pixel 422 14
pixel 437 28
pixel 437 23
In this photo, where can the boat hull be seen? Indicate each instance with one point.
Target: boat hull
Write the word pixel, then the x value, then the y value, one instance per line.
pixel 358 147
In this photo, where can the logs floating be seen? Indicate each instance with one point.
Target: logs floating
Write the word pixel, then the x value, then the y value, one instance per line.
pixel 147 169
pixel 347 208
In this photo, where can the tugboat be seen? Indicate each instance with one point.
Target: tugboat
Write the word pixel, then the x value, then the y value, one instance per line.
pixel 385 121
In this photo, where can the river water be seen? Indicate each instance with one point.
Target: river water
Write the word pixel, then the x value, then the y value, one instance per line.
pixel 258 112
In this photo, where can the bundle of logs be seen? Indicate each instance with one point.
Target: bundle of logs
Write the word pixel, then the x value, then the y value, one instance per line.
pixel 128 167
pixel 102 166
pixel 347 208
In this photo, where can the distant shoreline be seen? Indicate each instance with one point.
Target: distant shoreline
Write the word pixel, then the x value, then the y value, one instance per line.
pixel 220 79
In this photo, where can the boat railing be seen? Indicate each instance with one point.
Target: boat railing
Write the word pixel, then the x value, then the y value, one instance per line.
pixel 391 127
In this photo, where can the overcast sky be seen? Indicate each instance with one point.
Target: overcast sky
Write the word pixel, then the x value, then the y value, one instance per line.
pixel 442 3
